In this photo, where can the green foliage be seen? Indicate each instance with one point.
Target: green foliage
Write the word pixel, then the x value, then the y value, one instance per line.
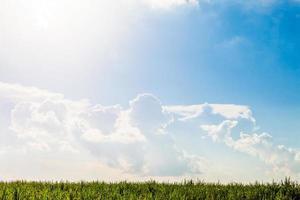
pixel 148 190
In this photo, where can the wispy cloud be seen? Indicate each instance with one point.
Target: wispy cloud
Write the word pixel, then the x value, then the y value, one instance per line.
pixel 168 4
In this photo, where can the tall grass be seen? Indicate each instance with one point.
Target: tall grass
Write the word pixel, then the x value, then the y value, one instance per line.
pixel 20 190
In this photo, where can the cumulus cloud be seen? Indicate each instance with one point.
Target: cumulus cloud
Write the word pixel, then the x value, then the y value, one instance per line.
pixel 141 139
pixel 135 142
pixel 130 139
pixel 282 159
pixel 220 132
pixel 235 126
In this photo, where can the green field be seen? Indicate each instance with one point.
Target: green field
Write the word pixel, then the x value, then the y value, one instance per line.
pixel 148 190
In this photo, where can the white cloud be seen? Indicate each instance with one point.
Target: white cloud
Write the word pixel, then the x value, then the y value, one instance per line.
pixel 128 139
pixel 167 4
pixel 221 132
pixel 228 111
pixel 142 139
pixel 282 160
pixel 228 124
pixel 121 129
pixel 18 93
pixel 135 143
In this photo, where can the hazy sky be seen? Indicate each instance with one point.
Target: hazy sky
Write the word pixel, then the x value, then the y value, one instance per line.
pixel 149 89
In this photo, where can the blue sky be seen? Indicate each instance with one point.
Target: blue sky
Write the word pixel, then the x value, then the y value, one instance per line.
pixel 220 53
pixel 145 63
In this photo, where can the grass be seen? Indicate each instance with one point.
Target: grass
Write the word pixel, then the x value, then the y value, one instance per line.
pixel 148 190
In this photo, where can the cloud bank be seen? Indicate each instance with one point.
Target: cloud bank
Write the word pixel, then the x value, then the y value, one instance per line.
pixel 139 139
pixel 131 139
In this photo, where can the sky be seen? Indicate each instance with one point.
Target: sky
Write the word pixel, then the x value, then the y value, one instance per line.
pixel 139 90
